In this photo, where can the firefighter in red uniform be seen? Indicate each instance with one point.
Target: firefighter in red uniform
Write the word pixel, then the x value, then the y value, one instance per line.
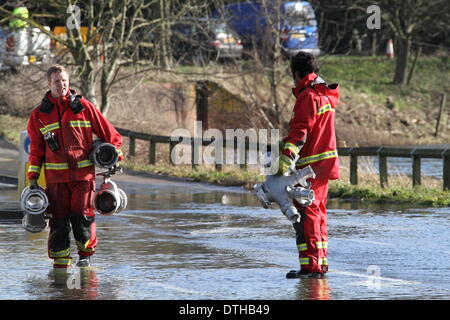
pixel 60 129
pixel 311 136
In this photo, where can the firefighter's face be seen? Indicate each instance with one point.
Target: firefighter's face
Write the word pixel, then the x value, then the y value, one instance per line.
pixel 59 84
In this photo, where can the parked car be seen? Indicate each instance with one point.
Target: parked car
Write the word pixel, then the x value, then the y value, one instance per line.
pixel 251 20
pixel 199 41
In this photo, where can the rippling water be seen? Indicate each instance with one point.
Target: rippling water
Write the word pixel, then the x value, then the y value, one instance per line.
pixel 193 241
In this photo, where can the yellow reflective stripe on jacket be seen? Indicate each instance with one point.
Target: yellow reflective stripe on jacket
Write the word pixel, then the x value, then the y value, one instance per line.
pixel 292 147
pixel 64 166
pixel 302 247
pixel 50 127
pixel 324 109
pixel 34 169
pixel 322 261
pixel 80 124
pixel 85 163
pixel 317 157
pixel 56 166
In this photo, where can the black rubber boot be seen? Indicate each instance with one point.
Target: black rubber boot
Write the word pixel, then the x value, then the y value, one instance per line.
pixel 84 261
pixel 295 274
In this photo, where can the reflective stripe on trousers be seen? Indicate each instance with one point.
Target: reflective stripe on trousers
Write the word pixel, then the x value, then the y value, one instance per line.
pixel 311 231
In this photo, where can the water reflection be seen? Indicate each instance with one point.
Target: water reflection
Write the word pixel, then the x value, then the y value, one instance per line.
pixel 313 289
pixel 75 283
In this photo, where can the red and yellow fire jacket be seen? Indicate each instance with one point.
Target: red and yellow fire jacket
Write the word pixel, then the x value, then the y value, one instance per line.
pixel 73 120
pixel 312 126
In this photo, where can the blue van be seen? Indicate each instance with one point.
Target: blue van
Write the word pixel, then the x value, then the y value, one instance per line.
pixel 298 25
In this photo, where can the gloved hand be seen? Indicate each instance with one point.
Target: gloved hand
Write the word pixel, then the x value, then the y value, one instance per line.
pixel 289 155
pixel 33 184
pixel 284 163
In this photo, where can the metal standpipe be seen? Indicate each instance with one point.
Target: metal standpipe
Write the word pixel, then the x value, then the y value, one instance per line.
pixel 282 190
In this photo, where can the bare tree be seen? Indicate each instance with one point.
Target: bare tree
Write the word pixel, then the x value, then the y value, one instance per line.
pixel 99 53
pixel 406 19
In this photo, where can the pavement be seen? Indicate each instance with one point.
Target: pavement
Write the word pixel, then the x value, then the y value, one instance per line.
pixel 9 164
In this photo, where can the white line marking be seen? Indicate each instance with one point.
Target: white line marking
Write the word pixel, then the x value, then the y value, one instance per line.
pixel 372 277
pixel 170 287
pixel 363 241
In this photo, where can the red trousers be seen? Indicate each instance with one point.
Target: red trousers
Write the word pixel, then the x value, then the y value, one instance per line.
pixel 70 206
pixel 311 231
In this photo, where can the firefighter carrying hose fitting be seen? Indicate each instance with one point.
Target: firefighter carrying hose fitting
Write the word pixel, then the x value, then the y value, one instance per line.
pixel 311 137
pixel 61 132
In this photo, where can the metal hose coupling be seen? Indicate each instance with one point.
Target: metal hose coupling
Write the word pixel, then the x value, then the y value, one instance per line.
pixel 283 189
pixel 34 202
pixel 104 154
pixel 110 199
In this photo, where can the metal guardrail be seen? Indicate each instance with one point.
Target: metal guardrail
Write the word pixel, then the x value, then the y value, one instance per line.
pixel 416 154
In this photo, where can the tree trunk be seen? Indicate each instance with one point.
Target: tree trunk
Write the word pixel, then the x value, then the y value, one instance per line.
pixel 403 50
pixel 105 102
pixel 373 49
pixel 87 78
pixel 165 59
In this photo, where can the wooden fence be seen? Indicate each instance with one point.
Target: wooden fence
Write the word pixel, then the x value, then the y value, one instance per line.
pixel 415 154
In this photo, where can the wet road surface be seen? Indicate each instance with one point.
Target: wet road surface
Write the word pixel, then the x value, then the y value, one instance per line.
pixel 179 240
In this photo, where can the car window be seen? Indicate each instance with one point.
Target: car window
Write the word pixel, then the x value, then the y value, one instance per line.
pixel 300 15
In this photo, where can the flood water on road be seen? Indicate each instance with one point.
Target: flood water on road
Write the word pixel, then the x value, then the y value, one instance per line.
pixel 181 240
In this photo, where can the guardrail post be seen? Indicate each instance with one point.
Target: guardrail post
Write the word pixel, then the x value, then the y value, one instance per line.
pixel 382 168
pixel 416 175
pixel 152 152
pixel 446 169
pixel 194 154
pixel 132 146
pixel 353 168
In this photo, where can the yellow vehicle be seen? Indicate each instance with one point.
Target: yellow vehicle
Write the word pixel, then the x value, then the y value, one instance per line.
pixel 61 31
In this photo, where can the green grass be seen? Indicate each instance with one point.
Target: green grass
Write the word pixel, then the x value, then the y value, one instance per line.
pixel 419 195
pixel 374 75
